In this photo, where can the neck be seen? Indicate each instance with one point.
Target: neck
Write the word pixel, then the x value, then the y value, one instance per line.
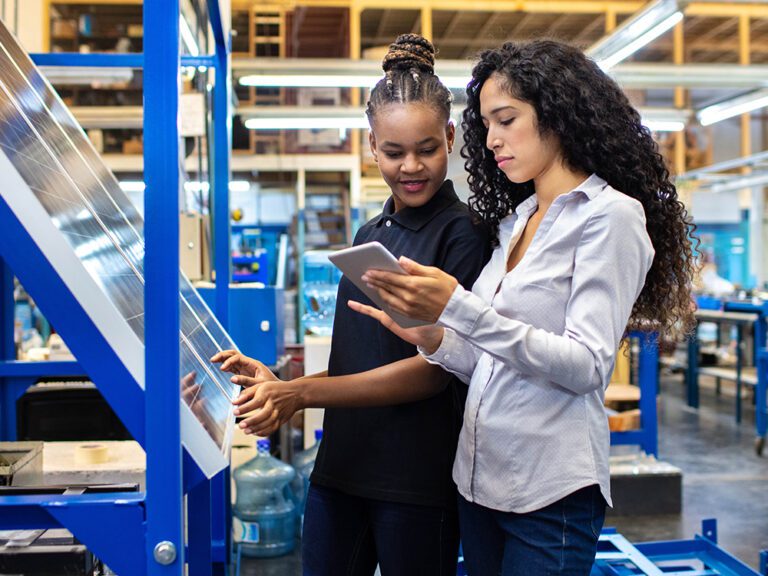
pixel 555 180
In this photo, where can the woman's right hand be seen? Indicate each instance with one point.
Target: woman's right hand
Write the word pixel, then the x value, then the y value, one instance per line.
pixel 236 363
pixel 427 337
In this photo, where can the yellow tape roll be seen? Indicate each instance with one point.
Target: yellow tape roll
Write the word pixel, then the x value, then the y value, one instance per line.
pixel 91 454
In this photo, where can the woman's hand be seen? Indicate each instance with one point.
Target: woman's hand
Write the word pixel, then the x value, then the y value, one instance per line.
pixel 234 362
pixel 270 403
pixel 422 294
pixel 428 337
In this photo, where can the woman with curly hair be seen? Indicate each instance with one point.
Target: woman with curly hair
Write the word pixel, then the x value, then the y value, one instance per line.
pixel 590 240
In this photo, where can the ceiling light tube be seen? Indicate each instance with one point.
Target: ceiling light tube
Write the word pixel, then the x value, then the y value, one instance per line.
pixel 664 125
pixel 639 30
pixel 307 123
pixel 733 107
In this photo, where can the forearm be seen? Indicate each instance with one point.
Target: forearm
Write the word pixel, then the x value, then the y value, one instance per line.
pixel 400 382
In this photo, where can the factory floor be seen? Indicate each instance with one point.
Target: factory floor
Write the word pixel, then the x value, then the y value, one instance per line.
pixel 723 478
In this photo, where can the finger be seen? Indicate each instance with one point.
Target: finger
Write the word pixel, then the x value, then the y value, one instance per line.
pixel 385 278
pixel 271 424
pixel 232 362
pixel 416 269
pixel 248 381
pixel 249 405
pixel 223 355
pixel 244 396
pixel 269 428
pixel 374 313
pixel 257 419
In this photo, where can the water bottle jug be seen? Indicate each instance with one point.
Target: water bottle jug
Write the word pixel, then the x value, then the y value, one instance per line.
pixel 265 521
pixel 304 462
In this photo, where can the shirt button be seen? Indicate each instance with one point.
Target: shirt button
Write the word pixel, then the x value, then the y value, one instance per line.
pixel 447 357
pixel 388 223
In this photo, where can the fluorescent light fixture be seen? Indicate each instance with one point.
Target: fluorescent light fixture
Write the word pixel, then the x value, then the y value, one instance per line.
pixel 733 107
pixel 303 117
pixel 187 37
pixel 642 28
pixel 239 186
pixel 308 80
pixel 665 119
pixel 132 186
pixel 80 75
pixel 308 123
pixel 664 125
pixel 191 186
pixel 330 81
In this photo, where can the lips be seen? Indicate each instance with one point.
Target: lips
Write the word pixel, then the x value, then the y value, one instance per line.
pixel 413 186
pixel 500 160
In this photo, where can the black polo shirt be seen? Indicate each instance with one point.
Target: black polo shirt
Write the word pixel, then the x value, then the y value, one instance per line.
pixel 401 453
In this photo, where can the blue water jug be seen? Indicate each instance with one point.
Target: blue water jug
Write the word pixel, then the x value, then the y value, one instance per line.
pixel 265 520
pixel 304 463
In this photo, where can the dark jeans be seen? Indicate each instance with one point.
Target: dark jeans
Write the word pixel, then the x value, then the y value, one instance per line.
pixel 558 539
pixel 347 536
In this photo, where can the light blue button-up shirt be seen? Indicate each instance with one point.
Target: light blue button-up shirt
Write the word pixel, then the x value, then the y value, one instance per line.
pixel 537 347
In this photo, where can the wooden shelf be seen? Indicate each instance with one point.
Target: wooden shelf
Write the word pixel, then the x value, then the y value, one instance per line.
pixel 748 374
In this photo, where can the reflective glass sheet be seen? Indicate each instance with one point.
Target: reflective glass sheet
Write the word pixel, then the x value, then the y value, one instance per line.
pixel 86 204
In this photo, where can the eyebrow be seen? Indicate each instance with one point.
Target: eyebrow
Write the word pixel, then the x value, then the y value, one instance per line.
pixel 500 109
pixel 419 143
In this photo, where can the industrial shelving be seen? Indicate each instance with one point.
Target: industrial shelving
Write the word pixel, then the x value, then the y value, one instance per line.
pixel 140 533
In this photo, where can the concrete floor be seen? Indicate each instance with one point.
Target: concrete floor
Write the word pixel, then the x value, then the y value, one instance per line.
pixel 723 478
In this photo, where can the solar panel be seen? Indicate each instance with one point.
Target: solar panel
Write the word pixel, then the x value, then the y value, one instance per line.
pixel 73 207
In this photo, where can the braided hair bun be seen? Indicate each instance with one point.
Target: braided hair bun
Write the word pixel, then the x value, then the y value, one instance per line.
pixel 410 52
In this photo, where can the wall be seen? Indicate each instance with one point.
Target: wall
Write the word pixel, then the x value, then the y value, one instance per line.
pixel 28 16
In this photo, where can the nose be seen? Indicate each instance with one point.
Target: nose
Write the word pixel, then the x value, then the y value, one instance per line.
pixel 492 141
pixel 411 164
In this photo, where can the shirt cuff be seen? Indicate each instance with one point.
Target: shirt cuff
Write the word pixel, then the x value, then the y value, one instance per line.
pixel 462 311
pixel 445 352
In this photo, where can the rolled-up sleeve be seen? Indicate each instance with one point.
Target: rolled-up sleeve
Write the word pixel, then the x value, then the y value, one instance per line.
pixel 611 261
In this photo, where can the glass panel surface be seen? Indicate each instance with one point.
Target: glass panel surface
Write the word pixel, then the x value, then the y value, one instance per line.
pixel 86 204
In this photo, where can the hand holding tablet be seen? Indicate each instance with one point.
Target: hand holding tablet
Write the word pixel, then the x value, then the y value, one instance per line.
pixel 357 260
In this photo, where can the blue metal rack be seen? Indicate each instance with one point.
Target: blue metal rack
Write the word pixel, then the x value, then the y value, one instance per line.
pixel 648 379
pixel 616 556
pixel 760 334
pixel 137 534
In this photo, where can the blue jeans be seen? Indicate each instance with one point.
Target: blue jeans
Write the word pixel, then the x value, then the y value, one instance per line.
pixel 559 539
pixel 347 535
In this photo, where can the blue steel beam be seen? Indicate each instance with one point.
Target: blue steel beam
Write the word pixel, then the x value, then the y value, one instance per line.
pixel 161 297
pixel 20 369
pixel 110 525
pixel 97 60
pixel 222 130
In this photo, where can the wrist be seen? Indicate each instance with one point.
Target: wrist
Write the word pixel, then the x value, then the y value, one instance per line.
pixel 301 392
pixel 434 341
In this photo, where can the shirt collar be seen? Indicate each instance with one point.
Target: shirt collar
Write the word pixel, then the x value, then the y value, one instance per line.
pixel 416 218
pixel 590 188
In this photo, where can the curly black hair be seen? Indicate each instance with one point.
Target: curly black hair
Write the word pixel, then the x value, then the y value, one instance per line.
pixel 599 132
pixel 409 76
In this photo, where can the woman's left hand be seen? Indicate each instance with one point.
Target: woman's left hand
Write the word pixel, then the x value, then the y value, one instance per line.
pixel 268 403
pixel 423 293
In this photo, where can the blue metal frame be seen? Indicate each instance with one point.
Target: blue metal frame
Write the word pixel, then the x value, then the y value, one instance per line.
pixel 123 529
pixel 648 371
pixel 616 556
pixel 164 496
pixel 760 330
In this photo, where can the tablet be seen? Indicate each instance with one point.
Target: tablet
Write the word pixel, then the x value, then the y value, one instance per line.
pixel 356 261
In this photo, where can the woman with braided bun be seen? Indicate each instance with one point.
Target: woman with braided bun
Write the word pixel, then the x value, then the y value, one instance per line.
pixel 590 240
pixel 381 490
